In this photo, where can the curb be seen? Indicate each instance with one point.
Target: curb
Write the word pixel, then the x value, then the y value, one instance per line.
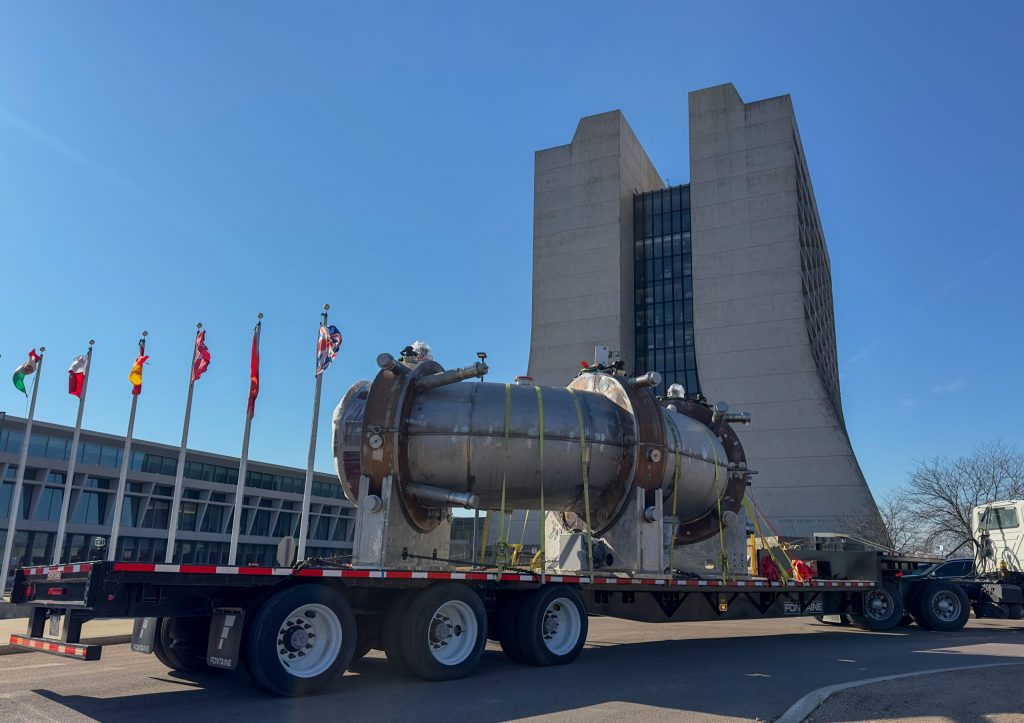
pixel 6 649
pixel 810 702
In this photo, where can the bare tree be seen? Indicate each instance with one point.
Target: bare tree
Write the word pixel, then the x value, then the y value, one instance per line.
pixel 892 527
pixel 941 492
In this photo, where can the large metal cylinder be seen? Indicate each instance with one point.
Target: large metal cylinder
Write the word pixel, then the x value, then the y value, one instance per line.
pixel 446 440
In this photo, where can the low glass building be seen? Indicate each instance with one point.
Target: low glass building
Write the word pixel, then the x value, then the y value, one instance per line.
pixel 271 507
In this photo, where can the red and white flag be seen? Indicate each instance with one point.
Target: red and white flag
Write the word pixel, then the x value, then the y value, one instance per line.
pixel 76 375
pixel 201 357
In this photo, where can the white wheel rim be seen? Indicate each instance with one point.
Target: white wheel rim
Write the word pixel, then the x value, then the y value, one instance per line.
pixel 878 605
pixel 309 640
pixel 561 626
pixel 946 606
pixel 452 633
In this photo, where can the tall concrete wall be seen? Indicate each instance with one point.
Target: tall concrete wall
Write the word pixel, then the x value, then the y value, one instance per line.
pixel 763 322
pixel 583 246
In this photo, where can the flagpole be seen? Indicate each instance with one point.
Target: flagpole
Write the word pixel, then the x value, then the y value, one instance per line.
pixel 126 460
pixel 20 477
pixel 172 528
pixel 69 481
pixel 236 520
pixel 308 486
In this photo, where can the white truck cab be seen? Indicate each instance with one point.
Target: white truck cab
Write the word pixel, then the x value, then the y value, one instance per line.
pixel 998 528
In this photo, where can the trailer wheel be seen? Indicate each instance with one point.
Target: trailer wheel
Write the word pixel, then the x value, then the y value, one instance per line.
pixel 444 632
pixel 302 639
pixel 180 644
pixel 942 606
pixel 361 650
pixel 553 625
pixel 508 628
pixel 1016 611
pixel 391 632
pixel 882 608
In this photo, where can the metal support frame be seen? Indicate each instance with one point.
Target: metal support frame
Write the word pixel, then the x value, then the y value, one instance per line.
pixel 636 538
pixel 384 538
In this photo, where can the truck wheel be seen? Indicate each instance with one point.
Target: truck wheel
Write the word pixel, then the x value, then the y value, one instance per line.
pixel 508 628
pixel 882 608
pixel 1016 611
pixel 444 632
pixel 943 606
pixel 391 632
pixel 180 644
pixel 302 639
pixel 553 625
pixel 361 650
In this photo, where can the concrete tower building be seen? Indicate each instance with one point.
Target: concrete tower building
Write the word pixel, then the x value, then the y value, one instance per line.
pixel 722 285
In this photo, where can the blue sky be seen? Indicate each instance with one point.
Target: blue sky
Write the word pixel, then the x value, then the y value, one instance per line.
pixel 163 164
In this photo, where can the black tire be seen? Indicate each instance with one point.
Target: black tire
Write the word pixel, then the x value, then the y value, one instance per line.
pixel 1015 611
pixel 180 644
pixel 158 647
pixel 508 628
pixel 391 632
pixel 362 648
pixel 301 640
pixel 943 606
pixel 882 608
pixel 444 632
pixel 553 625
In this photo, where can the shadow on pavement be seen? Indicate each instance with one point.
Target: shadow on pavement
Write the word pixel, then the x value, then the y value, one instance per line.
pixel 700 675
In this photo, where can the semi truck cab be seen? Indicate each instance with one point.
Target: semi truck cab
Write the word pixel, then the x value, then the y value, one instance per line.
pixel 997 528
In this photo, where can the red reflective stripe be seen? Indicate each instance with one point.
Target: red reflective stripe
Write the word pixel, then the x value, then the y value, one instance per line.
pixel 198 569
pixel 134 567
pixel 255 570
pixel 309 572
pixel 59 648
pixel 399 574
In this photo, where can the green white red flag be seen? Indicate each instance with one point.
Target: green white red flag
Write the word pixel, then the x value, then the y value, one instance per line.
pixel 24 370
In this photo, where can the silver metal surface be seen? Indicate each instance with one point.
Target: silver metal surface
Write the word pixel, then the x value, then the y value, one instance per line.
pixel 446 498
pixel 478 445
pixel 451 376
pixel 650 379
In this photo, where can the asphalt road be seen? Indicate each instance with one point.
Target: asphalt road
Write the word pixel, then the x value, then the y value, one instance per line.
pixel 751 670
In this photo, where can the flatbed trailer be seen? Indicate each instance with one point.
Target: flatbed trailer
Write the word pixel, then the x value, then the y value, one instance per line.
pixel 297 629
pixel 628 480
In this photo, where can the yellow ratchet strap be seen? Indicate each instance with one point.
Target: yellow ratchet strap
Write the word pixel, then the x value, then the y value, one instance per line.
pixel 585 459
pixel 502 551
pixel 543 515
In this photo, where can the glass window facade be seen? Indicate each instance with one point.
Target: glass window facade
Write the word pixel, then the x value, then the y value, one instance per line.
pixel 663 284
pixel 271 508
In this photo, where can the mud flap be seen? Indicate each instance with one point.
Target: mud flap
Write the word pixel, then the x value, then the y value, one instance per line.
pixel 143 635
pixel 225 638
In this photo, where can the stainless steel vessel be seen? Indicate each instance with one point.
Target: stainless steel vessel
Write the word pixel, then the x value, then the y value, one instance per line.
pixel 447 442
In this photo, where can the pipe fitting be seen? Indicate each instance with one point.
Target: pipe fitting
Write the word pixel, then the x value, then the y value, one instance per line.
pixel 388 363
pixel 650 379
pixel 440 379
pixel 440 496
